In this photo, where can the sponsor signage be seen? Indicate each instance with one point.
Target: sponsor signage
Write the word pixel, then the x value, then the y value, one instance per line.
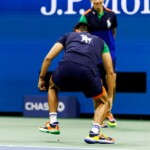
pixel 30 28
pixel 127 7
pixel 37 106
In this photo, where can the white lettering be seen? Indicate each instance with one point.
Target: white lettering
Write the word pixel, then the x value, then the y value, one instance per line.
pixel 136 7
pixel 36 106
pixel 115 6
pixel 61 107
pixel 52 10
pixel 146 7
pixel 70 7
pixel 30 106
pixel 106 2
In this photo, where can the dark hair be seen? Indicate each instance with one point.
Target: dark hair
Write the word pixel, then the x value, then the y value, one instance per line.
pixel 82 26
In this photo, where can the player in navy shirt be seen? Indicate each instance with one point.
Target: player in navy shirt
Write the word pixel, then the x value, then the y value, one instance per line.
pixel 103 22
pixel 79 67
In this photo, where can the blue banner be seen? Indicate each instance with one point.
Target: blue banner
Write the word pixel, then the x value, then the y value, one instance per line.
pixel 37 106
pixel 29 28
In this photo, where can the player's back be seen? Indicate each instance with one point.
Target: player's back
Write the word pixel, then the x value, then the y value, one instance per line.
pixel 83 48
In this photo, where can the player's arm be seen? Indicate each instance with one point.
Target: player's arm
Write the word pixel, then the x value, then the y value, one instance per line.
pixel 107 62
pixel 54 51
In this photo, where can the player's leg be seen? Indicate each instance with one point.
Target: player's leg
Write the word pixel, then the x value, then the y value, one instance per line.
pixel 52 126
pixel 104 83
pixel 110 117
pixel 101 105
pixel 111 121
pixel 93 87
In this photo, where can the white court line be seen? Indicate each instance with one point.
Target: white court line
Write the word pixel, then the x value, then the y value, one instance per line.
pixel 44 147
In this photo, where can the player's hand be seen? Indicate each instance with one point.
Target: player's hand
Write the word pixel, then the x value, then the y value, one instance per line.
pixel 41 85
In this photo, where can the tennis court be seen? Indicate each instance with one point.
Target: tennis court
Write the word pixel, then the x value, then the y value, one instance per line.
pixel 19 133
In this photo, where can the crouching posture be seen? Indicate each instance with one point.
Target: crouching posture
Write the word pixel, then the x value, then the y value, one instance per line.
pixel 79 68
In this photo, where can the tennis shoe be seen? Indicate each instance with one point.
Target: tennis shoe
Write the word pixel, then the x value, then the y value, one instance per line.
pixel 111 121
pixel 50 128
pixel 93 138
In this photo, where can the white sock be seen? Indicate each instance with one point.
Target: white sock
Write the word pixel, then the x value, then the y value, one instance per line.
pixel 53 117
pixel 96 128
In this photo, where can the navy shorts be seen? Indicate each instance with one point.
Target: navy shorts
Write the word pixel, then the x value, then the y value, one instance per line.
pixel 68 75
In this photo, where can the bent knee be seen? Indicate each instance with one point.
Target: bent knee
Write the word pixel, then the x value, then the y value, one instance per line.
pixel 103 97
pixel 52 85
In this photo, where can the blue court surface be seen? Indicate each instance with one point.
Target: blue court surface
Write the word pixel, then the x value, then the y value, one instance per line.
pixel 20 133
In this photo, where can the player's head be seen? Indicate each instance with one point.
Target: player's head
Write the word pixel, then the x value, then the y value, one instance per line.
pixel 97 1
pixel 82 27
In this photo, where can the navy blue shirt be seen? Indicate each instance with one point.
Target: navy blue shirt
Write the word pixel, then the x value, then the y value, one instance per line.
pixel 103 27
pixel 82 48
